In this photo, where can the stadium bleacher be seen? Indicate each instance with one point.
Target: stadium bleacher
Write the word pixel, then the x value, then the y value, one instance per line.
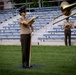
pixel 7 14
pixel 12 30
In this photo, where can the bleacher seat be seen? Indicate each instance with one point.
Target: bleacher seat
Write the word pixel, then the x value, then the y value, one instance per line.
pixel 46 15
pixel 7 14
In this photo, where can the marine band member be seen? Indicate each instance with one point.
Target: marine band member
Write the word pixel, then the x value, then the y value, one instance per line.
pixel 25 33
pixel 67 31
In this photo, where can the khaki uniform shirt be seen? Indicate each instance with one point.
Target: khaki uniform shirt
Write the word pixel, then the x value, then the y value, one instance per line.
pixel 67 26
pixel 24 29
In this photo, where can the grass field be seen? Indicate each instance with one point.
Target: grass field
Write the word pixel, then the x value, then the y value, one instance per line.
pixel 46 60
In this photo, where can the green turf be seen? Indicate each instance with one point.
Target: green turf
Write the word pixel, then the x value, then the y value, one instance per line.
pixel 46 60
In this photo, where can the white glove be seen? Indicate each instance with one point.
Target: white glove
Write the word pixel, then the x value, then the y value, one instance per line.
pixel 34 17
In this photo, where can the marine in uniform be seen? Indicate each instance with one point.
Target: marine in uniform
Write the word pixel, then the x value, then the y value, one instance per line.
pixel 67 31
pixel 26 29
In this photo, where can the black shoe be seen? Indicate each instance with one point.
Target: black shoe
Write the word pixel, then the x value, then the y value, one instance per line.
pixel 66 45
pixel 69 44
pixel 26 66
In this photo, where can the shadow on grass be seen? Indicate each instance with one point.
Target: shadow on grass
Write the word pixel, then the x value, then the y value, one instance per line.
pixel 33 67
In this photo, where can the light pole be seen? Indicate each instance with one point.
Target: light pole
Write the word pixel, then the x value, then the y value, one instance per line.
pixel 39 3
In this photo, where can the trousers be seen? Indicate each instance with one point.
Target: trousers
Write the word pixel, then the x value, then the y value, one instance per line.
pixel 25 44
pixel 67 37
